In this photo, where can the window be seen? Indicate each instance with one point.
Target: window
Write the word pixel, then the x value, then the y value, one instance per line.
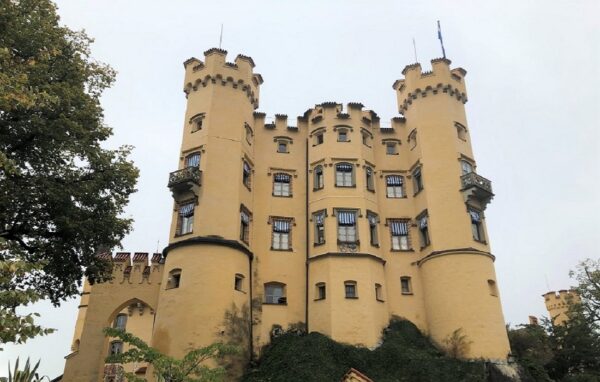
pixel 346 226
pixel 417 180
pixel 343 135
pixel 196 122
pixel 405 285
pixel 116 347
pixel 365 138
pixel 390 148
pixel 192 160
pixel 244 225
pixel 344 175
pixel 319 221
pixel 321 291
pixel 281 184
pixel 282 147
pixel 275 293
pixel 378 292
pixel 394 186
pixel 412 139
pixel 319 138
pixel 350 289
pixel 424 231
pixel 318 178
pixel 466 167
pixel 185 221
pixel 373 220
pixel 399 231
pixel 174 279
pixel 461 131
pixel 120 322
pixel 239 282
pixel 492 288
pixel 476 226
pixel 281 234
pixel 369 179
pixel 249 133
pixel 246 174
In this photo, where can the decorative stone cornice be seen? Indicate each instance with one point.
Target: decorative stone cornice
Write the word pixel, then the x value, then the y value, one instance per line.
pixel 455 251
pixel 219 80
pixel 208 240
pixel 430 90
pixel 352 255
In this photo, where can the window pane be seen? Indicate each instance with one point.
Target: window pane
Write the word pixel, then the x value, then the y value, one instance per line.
pixel 404 242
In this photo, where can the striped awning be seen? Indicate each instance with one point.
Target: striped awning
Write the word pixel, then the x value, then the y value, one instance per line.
pixel 244 216
pixel 423 222
pixel 346 217
pixel 394 180
pixel 283 178
pixel 399 228
pixel 343 167
pixel 281 226
pixel 372 219
pixel 320 218
pixel 192 160
pixel 417 172
pixel 475 216
pixel 246 167
pixel 369 171
pixel 186 210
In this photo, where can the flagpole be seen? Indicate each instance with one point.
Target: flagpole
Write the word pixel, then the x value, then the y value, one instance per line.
pixel 415 49
pixel 440 37
pixel 221 36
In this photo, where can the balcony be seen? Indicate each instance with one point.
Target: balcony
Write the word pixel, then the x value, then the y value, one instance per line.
pixel 185 183
pixel 476 190
pixel 114 372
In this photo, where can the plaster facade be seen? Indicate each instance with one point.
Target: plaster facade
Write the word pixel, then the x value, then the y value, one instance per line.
pixel 557 304
pixel 331 221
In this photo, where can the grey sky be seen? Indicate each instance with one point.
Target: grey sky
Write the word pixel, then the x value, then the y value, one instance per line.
pixel 533 82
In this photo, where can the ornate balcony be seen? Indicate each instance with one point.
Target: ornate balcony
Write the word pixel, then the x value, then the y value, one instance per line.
pixel 114 372
pixel 185 183
pixel 476 190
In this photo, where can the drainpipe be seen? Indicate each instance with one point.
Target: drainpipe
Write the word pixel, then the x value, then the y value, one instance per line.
pixel 307 238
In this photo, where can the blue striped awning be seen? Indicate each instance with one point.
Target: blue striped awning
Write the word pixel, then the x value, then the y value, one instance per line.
pixel 281 226
pixel 399 228
pixel 393 180
pixel 417 172
pixel 423 222
pixel 346 217
pixel 192 160
pixel 343 167
pixel 244 216
pixel 372 219
pixel 186 210
pixel 369 171
pixel 320 218
pixel 246 167
pixel 475 216
pixel 283 178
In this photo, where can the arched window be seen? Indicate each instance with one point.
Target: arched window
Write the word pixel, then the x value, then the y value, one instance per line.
pixel 174 279
pixel 318 178
pixel 369 179
pixel 344 175
pixel 275 293
pixel 120 322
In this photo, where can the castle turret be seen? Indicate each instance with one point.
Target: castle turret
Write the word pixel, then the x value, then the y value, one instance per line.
pixel 208 260
pixel 456 266
pixel 558 304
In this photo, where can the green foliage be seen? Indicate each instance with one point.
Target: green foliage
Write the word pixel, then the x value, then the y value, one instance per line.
pixel 237 333
pixel 531 345
pixel 405 355
pixel 587 275
pixel 28 374
pixel 188 369
pixel 457 344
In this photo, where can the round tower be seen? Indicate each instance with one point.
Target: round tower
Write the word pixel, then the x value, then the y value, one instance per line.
pixel 207 268
pixel 456 266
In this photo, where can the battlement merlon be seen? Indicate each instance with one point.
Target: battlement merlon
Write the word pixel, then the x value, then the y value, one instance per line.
pixel 215 68
pixel 441 79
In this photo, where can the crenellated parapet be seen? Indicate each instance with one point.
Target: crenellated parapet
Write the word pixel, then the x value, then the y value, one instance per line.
pixel 558 304
pixel 441 80
pixel 216 71
pixel 139 267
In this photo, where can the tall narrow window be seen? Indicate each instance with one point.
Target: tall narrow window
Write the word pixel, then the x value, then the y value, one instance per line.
pixel 238 282
pixel 373 220
pixel 412 139
pixel 246 174
pixel 466 167
pixel 116 347
pixel 319 221
pixel 318 178
pixel 394 186
pixel 350 289
pixel 185 221
pixel 369 179
pixel 281 184
pixel 378 292
pixel 281 234
pixel 192 160
pixel 343 135
pixel 120 322
pixel 417 180
pixel 321 292
pixel 344 175
pixel 319 138
pixel 476 225
pixel 365 138
pixel 492 288
pixel 405 285
pixel 275 293
pixel 461 131
pixel 346 226
pixel 424 231
pixel 399 231
pixel 174 279
pixel 244 226
pixel 390 148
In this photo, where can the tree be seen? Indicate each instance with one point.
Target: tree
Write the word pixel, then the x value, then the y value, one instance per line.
pixel 587 275
pixel 61 192
pixel 188 369
pixel 28 374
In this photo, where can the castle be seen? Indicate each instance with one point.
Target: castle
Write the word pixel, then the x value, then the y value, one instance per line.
pixel 330 221
pixel 557 304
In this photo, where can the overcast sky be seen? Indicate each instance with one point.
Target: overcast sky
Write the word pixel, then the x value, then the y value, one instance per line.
pixel 533 82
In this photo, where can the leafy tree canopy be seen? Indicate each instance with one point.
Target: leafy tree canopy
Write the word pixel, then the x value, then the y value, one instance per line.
pixel 61 192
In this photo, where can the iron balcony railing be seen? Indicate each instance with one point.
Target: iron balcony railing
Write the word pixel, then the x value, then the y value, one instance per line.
pixel 185 175
pixel 473 180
